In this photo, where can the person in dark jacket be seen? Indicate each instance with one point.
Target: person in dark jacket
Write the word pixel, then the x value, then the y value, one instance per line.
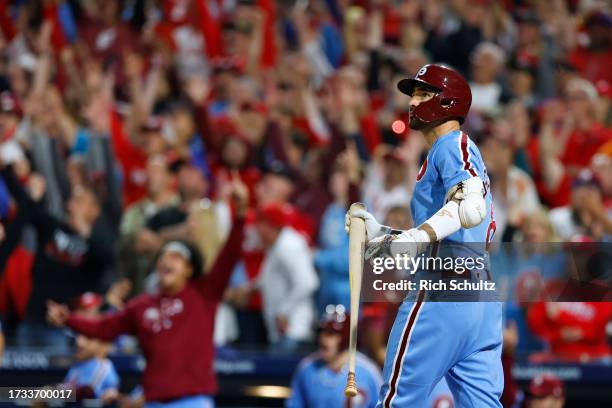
pixel 71 256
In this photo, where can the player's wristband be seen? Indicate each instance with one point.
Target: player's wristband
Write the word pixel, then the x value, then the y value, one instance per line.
pixel 384 230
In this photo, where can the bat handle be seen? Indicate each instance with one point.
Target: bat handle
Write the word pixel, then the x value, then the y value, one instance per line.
pixel 356 206
pixel 351 388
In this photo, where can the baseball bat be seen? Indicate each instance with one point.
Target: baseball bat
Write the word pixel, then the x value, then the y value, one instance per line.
pixel 357 237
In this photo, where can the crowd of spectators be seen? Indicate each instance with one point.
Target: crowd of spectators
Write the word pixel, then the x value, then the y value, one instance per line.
pixel 124 124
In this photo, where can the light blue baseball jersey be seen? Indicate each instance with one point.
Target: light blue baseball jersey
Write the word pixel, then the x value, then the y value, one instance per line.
pixel 459 342
pixel 194 401
pixel 315 385
pixel 453 158
pixel 99 374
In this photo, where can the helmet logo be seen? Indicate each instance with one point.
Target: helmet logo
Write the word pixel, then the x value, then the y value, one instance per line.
pixel 422 71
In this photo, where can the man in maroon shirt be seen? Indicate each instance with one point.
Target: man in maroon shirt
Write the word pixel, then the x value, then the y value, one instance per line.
pixel 175 326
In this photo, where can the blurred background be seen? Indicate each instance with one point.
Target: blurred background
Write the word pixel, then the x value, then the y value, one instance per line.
pixel 128 120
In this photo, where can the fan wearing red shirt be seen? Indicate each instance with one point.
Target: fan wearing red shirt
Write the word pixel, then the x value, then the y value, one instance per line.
pixel 175 326
pixel 576 331
pixel 593 58
pixel 570 135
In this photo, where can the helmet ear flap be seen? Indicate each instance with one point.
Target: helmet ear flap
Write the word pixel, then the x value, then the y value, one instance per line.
pixel 447 102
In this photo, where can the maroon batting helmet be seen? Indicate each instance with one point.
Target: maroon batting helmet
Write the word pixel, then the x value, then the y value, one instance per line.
pixel 336 320
pixel 452 99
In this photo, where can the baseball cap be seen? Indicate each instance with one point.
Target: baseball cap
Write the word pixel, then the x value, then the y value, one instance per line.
pixel 276 214
pixel 88 301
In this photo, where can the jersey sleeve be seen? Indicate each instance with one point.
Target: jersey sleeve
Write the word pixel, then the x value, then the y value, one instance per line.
pixel 454 160
pixel 213 284
pixel 106 327
pixel 297 399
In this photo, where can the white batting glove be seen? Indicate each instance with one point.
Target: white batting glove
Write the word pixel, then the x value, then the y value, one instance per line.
pixel 373 228
pixel 379 247
pixel 411 242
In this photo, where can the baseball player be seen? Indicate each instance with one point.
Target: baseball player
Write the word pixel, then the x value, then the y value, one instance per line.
pixel 93 373
pixel 320 378
pixel 458 341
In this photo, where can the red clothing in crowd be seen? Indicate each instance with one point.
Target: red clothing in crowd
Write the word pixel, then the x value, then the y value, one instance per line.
pixel 252 256
pixel 109 42
pixel 589 317
pixel 187 26
pixel 561 195
pixel 175 333
pixel 579 150
pixel 249 176
pixel 186 20
pixel 6 22
pixel 583 144
pixel 593 65
pixel 51 14
pixel 370 131
pixel 511 389
pixel 16 283
pixel 133 162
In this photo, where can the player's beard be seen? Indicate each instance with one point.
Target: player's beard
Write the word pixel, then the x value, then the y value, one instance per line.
pixel 416 123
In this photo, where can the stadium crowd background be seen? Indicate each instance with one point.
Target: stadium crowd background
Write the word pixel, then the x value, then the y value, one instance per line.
pixel 126 121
